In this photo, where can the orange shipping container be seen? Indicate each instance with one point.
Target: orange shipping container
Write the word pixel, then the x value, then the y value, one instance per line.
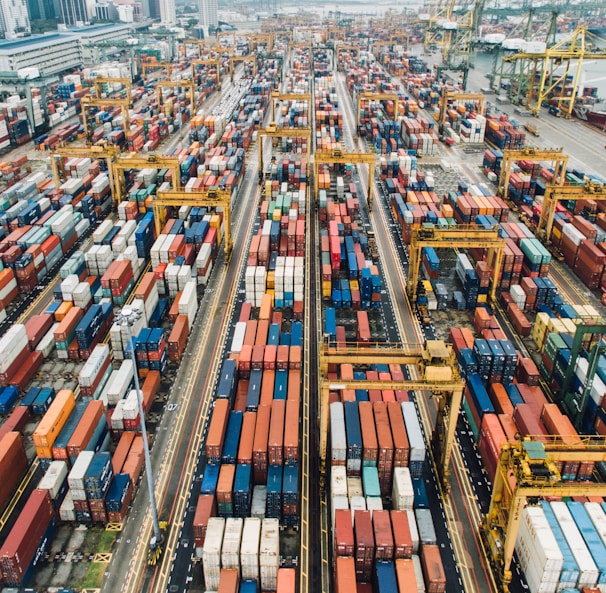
pixel 85 428
pixel 291 431
pixel 276 432
pixel 247 437
pixel 229 580
pixel 225 483
pixel 433 570
pixel 52 422
pixel 286 580
pixel 405 573
pixel 68 324
pixel 370 446
pixel 217 428
pixel 134 462
pixel 122 449
pixel 398 432
pixel 345 574
pixel 260 444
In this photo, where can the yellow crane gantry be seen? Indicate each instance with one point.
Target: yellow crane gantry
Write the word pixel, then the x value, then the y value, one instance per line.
pixel 528 470
pixel 463 236
pixel 256 39
pixel 89 102
pixel 103 150
pixel 370 96
pixel 272 131
pixel 450 97
pixel 555 193
pixel 234 59
pixel 151 66
pixel 210 62
pixel 555 155
pixel 183 83
pixel 278 96
pixel 212 197
pixel 134 160
pixel 568 53
pixel 200 44
pixel 344 158
pixel 436 369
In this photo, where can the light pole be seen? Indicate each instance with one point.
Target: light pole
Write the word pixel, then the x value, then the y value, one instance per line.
pixel 126 318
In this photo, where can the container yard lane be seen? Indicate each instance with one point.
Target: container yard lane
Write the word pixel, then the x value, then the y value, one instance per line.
pixel 175 455
pixel 460 511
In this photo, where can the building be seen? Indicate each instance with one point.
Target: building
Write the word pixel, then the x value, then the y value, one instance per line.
pixel 73 12
pixel 168 14
pixel 54 53
pixel 209 14
pixel 41 10
pixel 14 18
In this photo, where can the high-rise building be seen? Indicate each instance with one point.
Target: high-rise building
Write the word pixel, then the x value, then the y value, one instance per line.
pixel 72 11
pixel 209 14
pixel 168 15
pixel 14 18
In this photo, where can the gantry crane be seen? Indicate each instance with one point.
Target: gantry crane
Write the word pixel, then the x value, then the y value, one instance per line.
pixel 151 66
pixel 510 156
pixel 135 161
pixel 200 44
pixel 437 372
pixel 587 334
pixel 450 97
pixel 538 69
pixel 526 472
pixel 463 236
pixel 210 62
pixel 234 59
pixel 212 197
pixel 370 96
pixel 183 83
pixel 555 193
pixel 272 131
pixel 278 96
pixel 344 158
pixel 98 151
pixel 256 39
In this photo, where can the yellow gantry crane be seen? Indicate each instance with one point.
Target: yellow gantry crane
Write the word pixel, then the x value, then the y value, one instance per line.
pixel 257 39
pixel 135 161
pixel 369 96
pixel 510 156
pixel 539 70
pixel 183 83
pixel 234 59
pixel 437 371
pixel 90 102
pixel 555 193
pixel 212 197
pixel 463 236
pixel 344 158
pixel 98 151
pixel 528 470
pixel 450 98
pixel 211 46
pixel 278 96
pixel 272 131
pixel 209 62
pixel 151 66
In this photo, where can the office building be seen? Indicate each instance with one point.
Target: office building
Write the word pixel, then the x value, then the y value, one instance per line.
pixel 209 14
pixel 168 15
pixel 14 19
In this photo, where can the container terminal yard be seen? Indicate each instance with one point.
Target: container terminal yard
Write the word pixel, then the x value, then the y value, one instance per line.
pixel 330 293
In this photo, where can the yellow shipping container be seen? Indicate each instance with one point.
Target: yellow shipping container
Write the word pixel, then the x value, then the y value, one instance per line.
pixel 326 289
pixel 62 310
pixel 271 279
pixel 56 416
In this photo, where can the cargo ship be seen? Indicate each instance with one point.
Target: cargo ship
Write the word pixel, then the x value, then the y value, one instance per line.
pixel 592 114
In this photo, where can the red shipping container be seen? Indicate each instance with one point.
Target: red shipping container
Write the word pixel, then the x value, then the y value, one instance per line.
pixel 205 509
pixel 401 534
pixel 343 536
pixel 23 540
pixel 491 439
pixel 217 428
pixel 384 542
pixel 433 570
pixel 276 432
pixel 398 433
pixel 260 444
pixel 527 421
pixel 365 545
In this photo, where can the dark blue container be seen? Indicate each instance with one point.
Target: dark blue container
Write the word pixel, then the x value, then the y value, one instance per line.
pixel 210 478
pixel 229 452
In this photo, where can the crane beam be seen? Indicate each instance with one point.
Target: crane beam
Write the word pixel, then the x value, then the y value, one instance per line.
pixel 210 61
pixel 556 156
pixel 344 158
pixel 272 131
pixel 449 98
pixel 212 197
pixel 464 236
pixel 368 96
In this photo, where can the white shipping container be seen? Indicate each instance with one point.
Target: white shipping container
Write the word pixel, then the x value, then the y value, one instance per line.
pixel 93 365
pixel 101 231
pixel 414 532
pixel 356 503
pixel 67 512
pixel 354 486
pixel 258 503
pixel 118 384
pixel 269 553
pixel 12 344
pixel 238 339
pixel 589 571
pixel 211 552
pixel 75 478
pixel 598 518
pixel 232 540
pixel 117 419
pixel 419 574
pixel 374 503
pixel 47 343
pixel 54 478
pixel 249 550
pixel 413 431
pixel 337 434
pixel 402 490
pixel 338 481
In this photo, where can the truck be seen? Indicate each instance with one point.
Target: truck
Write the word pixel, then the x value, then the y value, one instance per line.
pixel 532 129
